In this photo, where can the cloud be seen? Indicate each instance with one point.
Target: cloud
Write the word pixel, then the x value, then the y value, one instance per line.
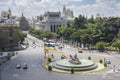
pixel 36 7
pixel 21 2
pixel 104 7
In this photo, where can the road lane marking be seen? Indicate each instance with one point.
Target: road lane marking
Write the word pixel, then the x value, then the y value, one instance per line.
pixel 16 76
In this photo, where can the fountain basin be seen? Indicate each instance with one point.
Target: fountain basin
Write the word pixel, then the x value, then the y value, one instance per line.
pixel 65 65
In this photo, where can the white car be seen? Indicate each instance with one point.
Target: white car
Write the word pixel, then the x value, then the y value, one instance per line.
pixel 18 66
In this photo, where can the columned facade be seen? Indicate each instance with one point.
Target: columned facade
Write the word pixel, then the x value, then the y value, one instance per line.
pixel 51 21
pixel 53 27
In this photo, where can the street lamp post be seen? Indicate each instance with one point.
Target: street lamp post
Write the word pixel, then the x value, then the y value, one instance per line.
pixel 62 42
pixel 91 44
pixel 0 73
pixel 44 40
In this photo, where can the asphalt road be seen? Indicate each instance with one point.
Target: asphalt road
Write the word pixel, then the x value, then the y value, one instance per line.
pixel 33 56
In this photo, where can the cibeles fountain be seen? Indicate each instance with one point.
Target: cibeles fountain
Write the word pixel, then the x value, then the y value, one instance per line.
pixel 79 65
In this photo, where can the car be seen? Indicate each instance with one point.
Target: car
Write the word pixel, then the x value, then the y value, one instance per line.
pixel 108 62
pixel 25 66
pixel 18 66
pixel 60 47
pixel 80 51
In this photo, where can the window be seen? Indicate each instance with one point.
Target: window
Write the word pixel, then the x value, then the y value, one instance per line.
pixel 11 33
pixel 11 41
pixel 51 28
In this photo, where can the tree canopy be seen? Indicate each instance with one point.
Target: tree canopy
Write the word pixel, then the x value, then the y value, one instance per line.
pixel 92 30
pixel 88 30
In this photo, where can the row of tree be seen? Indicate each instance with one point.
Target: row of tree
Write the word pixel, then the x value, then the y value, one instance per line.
pixel 41 33
pixel 99 32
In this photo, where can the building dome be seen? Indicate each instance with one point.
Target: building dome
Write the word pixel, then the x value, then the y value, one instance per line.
pixel 24 23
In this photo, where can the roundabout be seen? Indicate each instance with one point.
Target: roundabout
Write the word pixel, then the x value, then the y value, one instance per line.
pixel 75 64
pixel 85 66
pixel 66 65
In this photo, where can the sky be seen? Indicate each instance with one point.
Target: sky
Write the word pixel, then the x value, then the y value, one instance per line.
pixel 32 8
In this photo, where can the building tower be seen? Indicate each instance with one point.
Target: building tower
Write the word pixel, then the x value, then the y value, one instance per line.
pixel 64 11
pixel 24 24
pixel 67 13
pixel 9 12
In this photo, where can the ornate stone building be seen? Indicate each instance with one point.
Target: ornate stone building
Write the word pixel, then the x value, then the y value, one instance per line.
pixel 24 25
pixel 67 13
pixel 10 33
pixel 7 18
pixel 9 37
pixel 50 21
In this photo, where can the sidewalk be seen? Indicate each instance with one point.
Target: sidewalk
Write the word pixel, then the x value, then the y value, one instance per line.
pixel 6 56
pixel 3 58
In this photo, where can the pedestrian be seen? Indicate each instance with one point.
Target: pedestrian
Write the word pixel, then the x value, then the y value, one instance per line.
pixel 52 55
pixel 114 67
pixel 104 59
pixel 108 52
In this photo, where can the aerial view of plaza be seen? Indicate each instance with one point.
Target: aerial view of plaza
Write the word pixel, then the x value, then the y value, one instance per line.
pixel 59 39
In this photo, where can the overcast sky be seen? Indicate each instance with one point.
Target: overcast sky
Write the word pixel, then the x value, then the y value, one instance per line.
pixel 32 8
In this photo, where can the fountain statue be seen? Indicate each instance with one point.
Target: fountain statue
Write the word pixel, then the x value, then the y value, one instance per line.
pixel 74 60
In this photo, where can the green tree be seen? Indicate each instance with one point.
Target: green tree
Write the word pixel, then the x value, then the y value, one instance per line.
pixel 117 44
pixel 72 71
pixel 61 31
pixel 76 35
pixel 86 39
pixel 100 46
pixel 49 60
pixel 79 23
pixel 91 20
pixel 22 36
pixel 68 32
pixel 50 68
pixel 47 34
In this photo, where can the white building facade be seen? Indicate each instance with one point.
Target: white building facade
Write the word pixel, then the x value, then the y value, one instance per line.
pixel 68 13
pixel 6 18
pixel 50 21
